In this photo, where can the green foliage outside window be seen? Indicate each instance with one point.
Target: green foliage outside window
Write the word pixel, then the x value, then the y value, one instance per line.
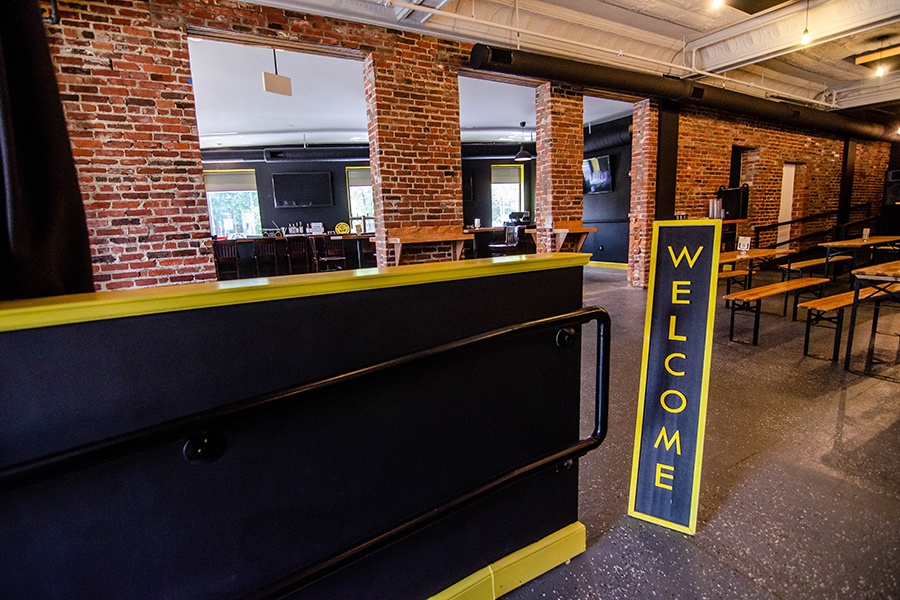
pixel 234 213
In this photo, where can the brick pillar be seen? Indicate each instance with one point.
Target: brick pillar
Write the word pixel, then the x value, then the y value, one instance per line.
pixel 412 99
pixel 643 190
pixel 124 78
pixel 560 150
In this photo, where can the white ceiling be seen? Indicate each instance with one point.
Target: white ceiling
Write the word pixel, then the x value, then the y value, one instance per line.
pixel 750 46
pixel 328 106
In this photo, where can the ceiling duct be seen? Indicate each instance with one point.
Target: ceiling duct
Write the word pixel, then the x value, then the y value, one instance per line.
pixel 419 17
pixel 518 62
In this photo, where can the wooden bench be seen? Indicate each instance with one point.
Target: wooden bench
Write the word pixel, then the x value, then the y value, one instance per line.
pixel 742 300
pixel 811 264
pixel 817 311
pixel 738 276
pixel 430 234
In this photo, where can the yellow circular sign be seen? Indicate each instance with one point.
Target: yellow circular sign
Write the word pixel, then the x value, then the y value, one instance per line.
pixel 342 228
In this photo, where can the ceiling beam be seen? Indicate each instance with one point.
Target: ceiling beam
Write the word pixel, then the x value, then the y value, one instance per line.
pixel 776 33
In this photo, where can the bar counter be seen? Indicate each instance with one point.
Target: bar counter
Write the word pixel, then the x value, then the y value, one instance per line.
pixel 404 432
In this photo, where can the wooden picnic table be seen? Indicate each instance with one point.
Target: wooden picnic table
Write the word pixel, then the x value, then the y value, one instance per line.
pixel 883 277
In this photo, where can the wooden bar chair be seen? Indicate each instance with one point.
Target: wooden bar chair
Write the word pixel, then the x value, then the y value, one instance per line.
pixel 328 254
pixel 228 262
pixel 297 252
pixel 264 250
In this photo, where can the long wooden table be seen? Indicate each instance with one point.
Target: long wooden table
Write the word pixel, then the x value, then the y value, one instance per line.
pixel 883 277
pixel 427 235
pixel 735 256
pixel 563 231
pixel 852 247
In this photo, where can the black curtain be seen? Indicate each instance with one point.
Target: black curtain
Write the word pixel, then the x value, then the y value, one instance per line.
pixel 44 247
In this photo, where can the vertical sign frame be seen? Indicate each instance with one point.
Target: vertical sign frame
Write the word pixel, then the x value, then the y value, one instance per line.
pixel 671 415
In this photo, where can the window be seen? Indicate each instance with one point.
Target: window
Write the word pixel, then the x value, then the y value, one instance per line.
pixel 362 203
pixel 507 192
pixel 233 203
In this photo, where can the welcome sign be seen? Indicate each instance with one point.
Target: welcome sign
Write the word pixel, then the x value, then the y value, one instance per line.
pixel 671 419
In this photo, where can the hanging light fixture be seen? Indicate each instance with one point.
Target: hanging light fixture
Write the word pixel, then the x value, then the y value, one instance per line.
pixel 275 83
pixel 804 39
pixel 522 155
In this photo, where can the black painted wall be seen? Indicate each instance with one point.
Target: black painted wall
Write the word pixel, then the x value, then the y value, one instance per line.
pixel 608 211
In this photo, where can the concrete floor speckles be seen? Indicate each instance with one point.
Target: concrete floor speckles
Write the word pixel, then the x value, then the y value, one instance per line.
pixel 800 492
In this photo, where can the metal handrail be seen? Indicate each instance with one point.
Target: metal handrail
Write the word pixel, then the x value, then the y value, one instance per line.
pixel 67 461
pixel 758 229
pixel 561 458
pixel 98 452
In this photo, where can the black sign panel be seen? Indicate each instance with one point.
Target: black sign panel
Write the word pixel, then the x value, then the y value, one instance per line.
pixel 668 444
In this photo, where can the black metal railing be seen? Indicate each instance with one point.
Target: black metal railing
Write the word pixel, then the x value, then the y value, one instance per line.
pixel 199 430
pixel 830 232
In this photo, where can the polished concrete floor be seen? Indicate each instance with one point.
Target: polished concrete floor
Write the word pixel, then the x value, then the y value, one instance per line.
pixel 800 491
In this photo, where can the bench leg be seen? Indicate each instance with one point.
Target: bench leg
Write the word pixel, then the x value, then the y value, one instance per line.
pixel 756 322
pixel 809 315
pixel 838 325
pixel 796 302
pixel 731 329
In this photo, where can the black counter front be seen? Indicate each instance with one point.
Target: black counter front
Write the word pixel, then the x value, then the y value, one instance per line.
pixel 226 440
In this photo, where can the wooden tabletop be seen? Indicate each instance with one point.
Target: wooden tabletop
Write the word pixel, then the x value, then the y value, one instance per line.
pixel 752 254
pixel 862 243
pixel 884 272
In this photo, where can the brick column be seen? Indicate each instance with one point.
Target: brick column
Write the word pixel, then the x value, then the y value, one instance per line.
pixel 412 98
pixel 643 190
pixel 560 150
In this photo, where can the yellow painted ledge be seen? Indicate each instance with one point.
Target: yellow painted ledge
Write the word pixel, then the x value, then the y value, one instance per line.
pixel 607 265
pixel 520 567
pixel 79 308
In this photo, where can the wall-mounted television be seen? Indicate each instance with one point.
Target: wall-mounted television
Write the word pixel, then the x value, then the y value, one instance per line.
pixel 302 190
pixel 597 175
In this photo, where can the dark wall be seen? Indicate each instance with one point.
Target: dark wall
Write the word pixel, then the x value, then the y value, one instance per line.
pixel 476 172
pixel 297 160
pixel 608 211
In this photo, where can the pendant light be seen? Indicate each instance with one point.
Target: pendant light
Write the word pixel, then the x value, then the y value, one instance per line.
pixel 522 155
pixel 804 39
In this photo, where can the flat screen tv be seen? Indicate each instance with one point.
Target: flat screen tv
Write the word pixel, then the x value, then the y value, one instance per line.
pixel 597 175
pixel 302 190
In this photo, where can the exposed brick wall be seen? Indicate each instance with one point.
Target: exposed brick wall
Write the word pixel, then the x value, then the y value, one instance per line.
pixel 128 102
pixel 706 138
pixel 868 178
pixel 560 150
pixel 123 70
pixel 412 99
pixel 645 136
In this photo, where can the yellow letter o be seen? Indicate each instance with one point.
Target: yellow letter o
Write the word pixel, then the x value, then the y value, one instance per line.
pixel 662 400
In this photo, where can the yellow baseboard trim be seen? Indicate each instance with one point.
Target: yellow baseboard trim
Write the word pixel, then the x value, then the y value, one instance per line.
pixel 607 265
pixel 520 567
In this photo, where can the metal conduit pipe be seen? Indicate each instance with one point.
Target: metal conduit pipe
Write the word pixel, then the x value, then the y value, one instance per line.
pixel 518 62
pixel 610 138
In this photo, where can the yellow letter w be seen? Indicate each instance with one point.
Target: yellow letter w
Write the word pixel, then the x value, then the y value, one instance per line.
pixel 684 253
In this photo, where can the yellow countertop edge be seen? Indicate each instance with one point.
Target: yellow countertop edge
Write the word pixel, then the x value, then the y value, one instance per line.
pixel 79 308
pixel 520 567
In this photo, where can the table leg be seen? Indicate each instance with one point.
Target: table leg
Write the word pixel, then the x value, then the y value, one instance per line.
pixel 870 352
pixel 852 327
